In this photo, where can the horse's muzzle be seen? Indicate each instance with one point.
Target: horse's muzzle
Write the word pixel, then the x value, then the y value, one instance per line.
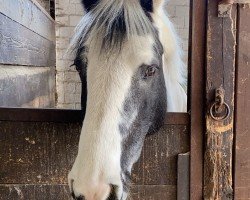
pixel 112 195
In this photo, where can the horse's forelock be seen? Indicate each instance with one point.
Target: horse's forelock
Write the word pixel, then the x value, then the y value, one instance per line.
pixel 112 22
pixel 146 4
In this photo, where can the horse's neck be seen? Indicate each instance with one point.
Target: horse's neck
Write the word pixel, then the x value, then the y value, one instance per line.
pixel 174 68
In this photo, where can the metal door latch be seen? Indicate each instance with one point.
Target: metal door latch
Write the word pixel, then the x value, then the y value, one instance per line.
pixel 225 6
pixel 219 110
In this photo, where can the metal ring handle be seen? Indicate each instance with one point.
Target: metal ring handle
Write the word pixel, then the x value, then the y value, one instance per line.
pixel 222 117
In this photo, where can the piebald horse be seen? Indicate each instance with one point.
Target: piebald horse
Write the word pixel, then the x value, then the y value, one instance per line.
pixel 129 53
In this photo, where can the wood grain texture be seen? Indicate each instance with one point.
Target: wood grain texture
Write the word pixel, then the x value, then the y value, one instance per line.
pixel 40 153
pixel 153 192
pixel 34 192
pixel 197 81
pixel 55 192
pixel 242 129
pixel 183 184
pixel 44 152
pixel 37 152
pixel 21 46
pixel 160 154
pixel 219 134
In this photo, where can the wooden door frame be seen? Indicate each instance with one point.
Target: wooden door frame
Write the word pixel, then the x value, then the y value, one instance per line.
pixel 197 52
pixel 242 99
pixel 220 73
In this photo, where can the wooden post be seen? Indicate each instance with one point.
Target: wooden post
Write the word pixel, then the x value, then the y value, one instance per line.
pixel 183 176
pixel 197 93
pixel 219 133
pixel 242 124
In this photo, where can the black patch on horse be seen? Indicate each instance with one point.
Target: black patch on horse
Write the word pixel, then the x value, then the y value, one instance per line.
pixel 147 5
pixel 89 4
pixel 81 64
pixel 117 34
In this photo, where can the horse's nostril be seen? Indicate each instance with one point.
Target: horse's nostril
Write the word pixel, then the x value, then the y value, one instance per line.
pixel 77 198
pixel 73 195
pixel 112 195
pixel 80 198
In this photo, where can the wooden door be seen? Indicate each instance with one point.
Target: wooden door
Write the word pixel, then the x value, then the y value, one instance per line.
pixel 226 157
pixel 38 147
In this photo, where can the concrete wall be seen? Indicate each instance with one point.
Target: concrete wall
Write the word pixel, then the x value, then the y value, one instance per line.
pixel 68 14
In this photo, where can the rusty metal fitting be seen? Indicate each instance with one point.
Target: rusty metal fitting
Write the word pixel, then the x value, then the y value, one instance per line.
pixel 219 110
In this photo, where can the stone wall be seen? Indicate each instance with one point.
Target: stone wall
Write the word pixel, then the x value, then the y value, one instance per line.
pixel 178 11
pixel 68 14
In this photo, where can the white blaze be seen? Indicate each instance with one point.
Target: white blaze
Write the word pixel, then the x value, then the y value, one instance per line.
pixel 109 80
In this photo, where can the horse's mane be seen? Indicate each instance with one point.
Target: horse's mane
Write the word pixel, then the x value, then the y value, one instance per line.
pixel 112 22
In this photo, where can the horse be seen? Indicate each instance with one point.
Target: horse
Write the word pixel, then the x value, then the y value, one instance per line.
pixel 129 55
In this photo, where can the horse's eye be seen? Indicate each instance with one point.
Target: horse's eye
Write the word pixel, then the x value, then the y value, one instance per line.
pixel 151 71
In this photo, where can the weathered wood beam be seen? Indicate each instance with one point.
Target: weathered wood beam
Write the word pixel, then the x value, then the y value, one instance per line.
pixel 242 128
pixel 22 86
pixel 225 6
pixel 183 177
pixel 197 94
pixel 31 15
pixel 40 155
pixel 221 43
pixel 234 1
pixel 21 46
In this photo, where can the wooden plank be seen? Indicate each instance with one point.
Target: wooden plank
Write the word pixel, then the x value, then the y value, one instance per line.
pixel 67 116
pixel 177 118
pixel 43 153
pixel 21 46
pixel 234 1
pixel 31 15
pixel 23 85
pixel 225 6
pixel 34 192
pixel 219 134
pixel 242 1
pixel 49 192
pixel 37 153
pixel 41 115
pixel 183 187
pixel 160 154
pixel 153 192
pixel 242 124
pixel 196 94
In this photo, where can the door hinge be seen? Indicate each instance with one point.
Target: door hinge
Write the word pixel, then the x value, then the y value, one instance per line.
pixel 225 6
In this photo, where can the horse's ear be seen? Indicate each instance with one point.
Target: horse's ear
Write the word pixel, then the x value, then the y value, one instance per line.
pixel 89 4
